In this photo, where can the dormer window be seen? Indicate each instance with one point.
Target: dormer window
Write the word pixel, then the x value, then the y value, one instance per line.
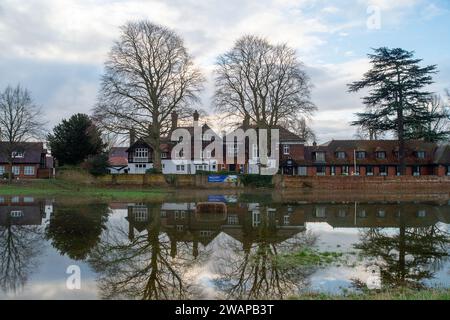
pixel 360 155
pixel 381 155
pixel 340 155
pixel 17 154
pixel 286 149
pixel 420 154
pixel 319 156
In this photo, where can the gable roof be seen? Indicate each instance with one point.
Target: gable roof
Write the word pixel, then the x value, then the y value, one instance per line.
pixel 32 152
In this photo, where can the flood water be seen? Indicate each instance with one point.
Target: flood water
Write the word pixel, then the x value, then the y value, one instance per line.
pixel 220 246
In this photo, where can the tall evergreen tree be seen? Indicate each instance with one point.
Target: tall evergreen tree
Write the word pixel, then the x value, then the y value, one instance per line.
pixel 73 140
pixel 397 99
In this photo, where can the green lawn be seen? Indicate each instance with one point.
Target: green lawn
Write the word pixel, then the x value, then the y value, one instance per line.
pixel 74 190
pixel 405 294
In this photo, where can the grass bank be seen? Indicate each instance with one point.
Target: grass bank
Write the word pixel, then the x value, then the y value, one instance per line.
pixel 400 294
pixel 71 189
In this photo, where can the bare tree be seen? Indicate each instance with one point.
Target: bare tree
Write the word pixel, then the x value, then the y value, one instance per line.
pixel 148 75
pixel 366 133
pixel 263 81
pixel 300 127
pixel 20 120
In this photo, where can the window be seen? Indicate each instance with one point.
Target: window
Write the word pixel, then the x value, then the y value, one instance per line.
pixel 163 155
pixel 342 213
pixel 180 228
pixel 321 171
pixel 383 171
pixel 208 154
pixel 140 214
pixel 180 215
pixel 302 171
pixel 416 171
pixel 421 214
pixel 381 213
pixel 360 155
pixel 340 155
pixel 15 199
pixel 321 212
pixel 420 154
pixel 2 169
pixel 286 149
pixel 16 170
pixel 17 154
pixel 28 199
pixel 206 233
pixel 381 155
pixel 333 170
pixel 358 171
pixel 16 214
pixel 345 170
pixel 448 170
pixel 369 171
pixel 181 154
pixel 362 214
pixel 28 171
pixel 286 221
pixel 141 153
pixel 180 167
pixel 397 170
pixel 319 156
pixel 231 150
pixel 255 151
pixel 233 219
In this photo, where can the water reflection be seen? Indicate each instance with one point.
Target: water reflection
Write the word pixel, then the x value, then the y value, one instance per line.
pixel 21 239
pixel 74 230
pixel 221 247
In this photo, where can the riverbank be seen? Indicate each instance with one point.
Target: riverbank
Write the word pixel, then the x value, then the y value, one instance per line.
pixel 61 188
pixel 426 294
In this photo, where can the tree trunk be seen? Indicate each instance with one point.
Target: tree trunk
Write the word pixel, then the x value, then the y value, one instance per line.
pixel 401 139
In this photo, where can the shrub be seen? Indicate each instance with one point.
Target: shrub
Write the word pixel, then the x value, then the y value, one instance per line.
pixel 256 180
pixel 153 171
pixel 97 165
pixel 6 175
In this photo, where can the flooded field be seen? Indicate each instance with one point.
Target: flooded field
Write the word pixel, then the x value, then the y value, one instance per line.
pixel 221 246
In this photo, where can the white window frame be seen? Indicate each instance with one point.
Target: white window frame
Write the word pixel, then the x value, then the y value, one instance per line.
pixel 254 151
pixel 16 214
pixel 2 169
pixel 341 155
pixel 320 156
pixel 141 153
pixel 29 170
pixel 286 149
pixel 16 170
pixel 164 155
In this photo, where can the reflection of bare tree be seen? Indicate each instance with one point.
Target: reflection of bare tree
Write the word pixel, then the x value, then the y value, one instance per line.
pixel 141 266
pixel 19 246
pixel 408 257
pixel 252 270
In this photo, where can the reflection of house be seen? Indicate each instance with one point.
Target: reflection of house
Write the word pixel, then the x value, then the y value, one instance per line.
pixel 23 211
pixel 386 215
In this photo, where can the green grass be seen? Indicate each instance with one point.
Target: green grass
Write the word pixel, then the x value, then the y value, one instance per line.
pixel 75 190
pixel 308 257
pixel 400 294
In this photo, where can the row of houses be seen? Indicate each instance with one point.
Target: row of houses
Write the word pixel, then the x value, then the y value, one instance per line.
pixel 337 157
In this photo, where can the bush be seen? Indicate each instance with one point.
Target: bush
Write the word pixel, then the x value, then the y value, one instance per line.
pixel 6 175
pixel 153 171
pixel 256 180
pixel 98 165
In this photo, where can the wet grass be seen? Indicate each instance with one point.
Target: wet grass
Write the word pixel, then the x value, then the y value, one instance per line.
pixel 400 294
pixel 309 257
pixel 75 190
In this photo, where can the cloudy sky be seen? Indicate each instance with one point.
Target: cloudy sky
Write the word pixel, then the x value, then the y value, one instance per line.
pixel 56 48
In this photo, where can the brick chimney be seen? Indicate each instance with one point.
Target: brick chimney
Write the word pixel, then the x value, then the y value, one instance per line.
pixel 132 136
pixel 196 115
pixel 174 120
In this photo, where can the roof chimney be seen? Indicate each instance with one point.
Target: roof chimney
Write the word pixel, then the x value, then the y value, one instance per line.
pixel 132 136
pixel 314 144
pixel 196 115
pixel 174 120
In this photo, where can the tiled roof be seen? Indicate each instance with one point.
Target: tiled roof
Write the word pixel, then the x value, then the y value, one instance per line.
pixel 32 152
pixel 284 134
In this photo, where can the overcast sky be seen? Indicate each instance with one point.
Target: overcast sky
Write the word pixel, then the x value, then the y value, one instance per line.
pixel 56 48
